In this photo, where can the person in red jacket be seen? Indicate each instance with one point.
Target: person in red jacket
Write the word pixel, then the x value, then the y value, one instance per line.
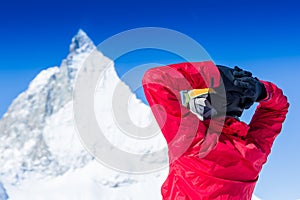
pixel 212 154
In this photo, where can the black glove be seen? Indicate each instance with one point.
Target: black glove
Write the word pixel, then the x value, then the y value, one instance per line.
pixel 242 90
pixel 245 102
pixel 254 90
pixel 239 73
pixel 233 94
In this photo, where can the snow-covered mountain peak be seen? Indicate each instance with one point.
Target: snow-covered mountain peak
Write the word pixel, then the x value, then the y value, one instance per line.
pixel 22 127
pixel 42 79
pixel 37 134
pixel 81 43
pixel 80 48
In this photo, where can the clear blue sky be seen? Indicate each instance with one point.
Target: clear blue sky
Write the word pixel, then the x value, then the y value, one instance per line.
pixel 262 36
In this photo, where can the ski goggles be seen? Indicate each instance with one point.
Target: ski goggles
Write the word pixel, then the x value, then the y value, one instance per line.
pixel 187 95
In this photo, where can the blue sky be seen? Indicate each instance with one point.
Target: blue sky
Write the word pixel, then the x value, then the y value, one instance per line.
pixel 262 36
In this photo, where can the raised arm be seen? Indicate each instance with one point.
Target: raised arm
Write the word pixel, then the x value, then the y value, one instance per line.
pixel 162 86
pixel 269 116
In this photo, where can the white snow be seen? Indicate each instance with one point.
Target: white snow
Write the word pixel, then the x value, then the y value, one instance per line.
pixel 3 194
pixel 42 79
pixel 23 149
pixel 91 182
pixel 255 198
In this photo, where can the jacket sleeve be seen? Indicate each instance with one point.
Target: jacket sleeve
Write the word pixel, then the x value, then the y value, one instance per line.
pixel 269 116
pixel 162 86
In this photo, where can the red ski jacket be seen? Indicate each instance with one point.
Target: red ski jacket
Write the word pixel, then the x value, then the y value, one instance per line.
pixel 230 170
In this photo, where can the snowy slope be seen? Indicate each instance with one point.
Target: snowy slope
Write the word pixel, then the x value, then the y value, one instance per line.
pixel 41 153
pixel 91 183
pixel 3 194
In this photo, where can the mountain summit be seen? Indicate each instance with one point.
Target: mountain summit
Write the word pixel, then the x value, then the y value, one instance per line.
pixel 39 145
pixel 23 149
pixel 81 43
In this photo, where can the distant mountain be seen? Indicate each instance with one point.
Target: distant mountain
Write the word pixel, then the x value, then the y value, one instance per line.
pixel 41 154
pixel 24 149
pixel 39 144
